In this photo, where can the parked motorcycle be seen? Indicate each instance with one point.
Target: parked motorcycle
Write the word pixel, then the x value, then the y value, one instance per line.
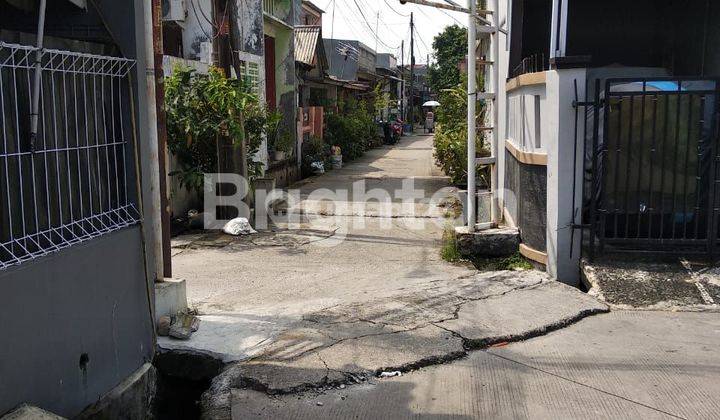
pixel 395 131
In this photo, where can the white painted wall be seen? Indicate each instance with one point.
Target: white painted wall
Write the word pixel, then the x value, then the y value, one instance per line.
pixel 557 124
pixel 197 28
pixel 525 119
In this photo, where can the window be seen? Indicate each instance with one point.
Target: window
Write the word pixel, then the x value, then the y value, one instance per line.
pixel 269 7
pixel 250 74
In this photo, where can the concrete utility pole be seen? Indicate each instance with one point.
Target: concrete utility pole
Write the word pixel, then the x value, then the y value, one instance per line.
pixel 412 73
pixel 377 23
pixel 402 83
pixel 162 135
pixel 152 207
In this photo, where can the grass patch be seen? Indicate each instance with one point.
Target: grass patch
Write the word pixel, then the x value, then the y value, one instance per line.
pixel 513 262
pixel 449 251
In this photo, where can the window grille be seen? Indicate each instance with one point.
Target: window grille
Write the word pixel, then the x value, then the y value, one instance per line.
pixel 250 74
pixel 269 7
pixel 71 185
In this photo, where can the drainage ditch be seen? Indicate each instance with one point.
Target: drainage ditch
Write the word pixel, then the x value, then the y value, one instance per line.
pixel 182 378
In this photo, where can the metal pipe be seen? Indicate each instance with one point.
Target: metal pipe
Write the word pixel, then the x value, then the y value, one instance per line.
pixel 153 205
pixel 35 109
pixel 495 214
pixel 472 100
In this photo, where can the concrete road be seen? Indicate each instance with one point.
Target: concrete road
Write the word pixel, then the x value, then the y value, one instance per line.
pixel 250 289
pixel 629 365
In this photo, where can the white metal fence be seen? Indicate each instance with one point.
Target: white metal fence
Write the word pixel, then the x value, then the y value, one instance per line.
pixel 71 184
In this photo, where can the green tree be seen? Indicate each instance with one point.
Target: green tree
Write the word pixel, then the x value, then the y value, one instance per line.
pixel 449 47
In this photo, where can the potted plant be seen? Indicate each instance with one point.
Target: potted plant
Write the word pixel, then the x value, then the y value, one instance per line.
pixel 283 145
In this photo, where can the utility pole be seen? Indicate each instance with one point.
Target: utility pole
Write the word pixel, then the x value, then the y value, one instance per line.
pixel 162 136
pixel 402 83
pixel 377 22
pixel 152 207
pixel 412 73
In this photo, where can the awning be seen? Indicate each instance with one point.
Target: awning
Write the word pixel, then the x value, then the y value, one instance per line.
pixel 308 44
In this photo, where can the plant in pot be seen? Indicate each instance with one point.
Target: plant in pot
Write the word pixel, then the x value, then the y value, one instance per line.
pixel 283 145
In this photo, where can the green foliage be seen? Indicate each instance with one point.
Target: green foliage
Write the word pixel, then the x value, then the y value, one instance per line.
pixel 451 135
pixel 315 150
pixel 256 125
pixel 514 262
pixel 353 130
pixel 449 250
pixel 284 142
pixel 273 123
pixel 203 109
pixel 449 47
pixel 382 99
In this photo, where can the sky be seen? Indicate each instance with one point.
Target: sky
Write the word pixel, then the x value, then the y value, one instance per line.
pixel 392 21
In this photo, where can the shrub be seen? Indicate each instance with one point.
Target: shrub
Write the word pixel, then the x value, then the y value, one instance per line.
pixel 451 137
pixel 353 130
pixel 315 150
pixel 203 109
pixel 449 251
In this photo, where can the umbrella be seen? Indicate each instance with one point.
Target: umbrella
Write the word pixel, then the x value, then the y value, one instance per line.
pixel 431 103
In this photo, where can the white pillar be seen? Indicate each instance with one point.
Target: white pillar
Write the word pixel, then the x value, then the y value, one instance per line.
pixel 472 100
pixel 563 247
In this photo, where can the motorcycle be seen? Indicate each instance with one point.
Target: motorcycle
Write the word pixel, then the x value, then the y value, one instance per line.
pixel 395 131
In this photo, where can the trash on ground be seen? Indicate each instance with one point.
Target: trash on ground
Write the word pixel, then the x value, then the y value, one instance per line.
pixel 183 325
pixel 318 168
pixel 238 226
pixel 163 325
pixel 390 374
pixel 196 219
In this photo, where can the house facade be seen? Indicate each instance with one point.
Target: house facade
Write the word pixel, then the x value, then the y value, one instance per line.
pixel 279 20
pixel 607 127
pixel 203 33
pixel 388 73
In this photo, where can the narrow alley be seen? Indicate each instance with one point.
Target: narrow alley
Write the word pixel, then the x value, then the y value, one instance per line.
pixel 253 287
pixel 359 209
pixel 300 337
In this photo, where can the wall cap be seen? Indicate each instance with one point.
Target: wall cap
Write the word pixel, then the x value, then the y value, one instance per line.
pixel 528 158
pixel 533 254
pixel 527 79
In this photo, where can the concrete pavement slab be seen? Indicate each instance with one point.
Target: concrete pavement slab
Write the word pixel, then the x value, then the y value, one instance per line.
pixel 655 365
pixel 521 313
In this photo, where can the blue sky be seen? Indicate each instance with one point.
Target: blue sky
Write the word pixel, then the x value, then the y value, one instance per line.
pixel 392 25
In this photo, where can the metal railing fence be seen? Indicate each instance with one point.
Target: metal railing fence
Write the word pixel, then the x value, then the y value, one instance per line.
pixel 71 184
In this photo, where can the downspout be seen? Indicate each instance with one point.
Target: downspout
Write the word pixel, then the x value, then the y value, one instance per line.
pixel 153 204
pixel 35 109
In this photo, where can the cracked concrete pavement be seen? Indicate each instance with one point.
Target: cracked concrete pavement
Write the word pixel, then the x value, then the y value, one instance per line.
pixel 348 296
pixel 351 343
pixel 625 364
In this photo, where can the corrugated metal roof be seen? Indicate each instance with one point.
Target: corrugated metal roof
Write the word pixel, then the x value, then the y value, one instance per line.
pixel 307 44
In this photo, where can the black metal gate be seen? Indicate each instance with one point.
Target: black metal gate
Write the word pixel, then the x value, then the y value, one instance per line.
pixel 652 167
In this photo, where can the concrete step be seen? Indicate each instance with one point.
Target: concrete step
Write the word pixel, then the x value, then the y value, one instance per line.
pixel 497 242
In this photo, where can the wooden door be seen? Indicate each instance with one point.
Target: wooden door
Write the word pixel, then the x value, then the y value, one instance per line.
pixel 270 72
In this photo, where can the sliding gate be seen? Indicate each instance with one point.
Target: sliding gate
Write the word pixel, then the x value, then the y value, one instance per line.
pixel 652 173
